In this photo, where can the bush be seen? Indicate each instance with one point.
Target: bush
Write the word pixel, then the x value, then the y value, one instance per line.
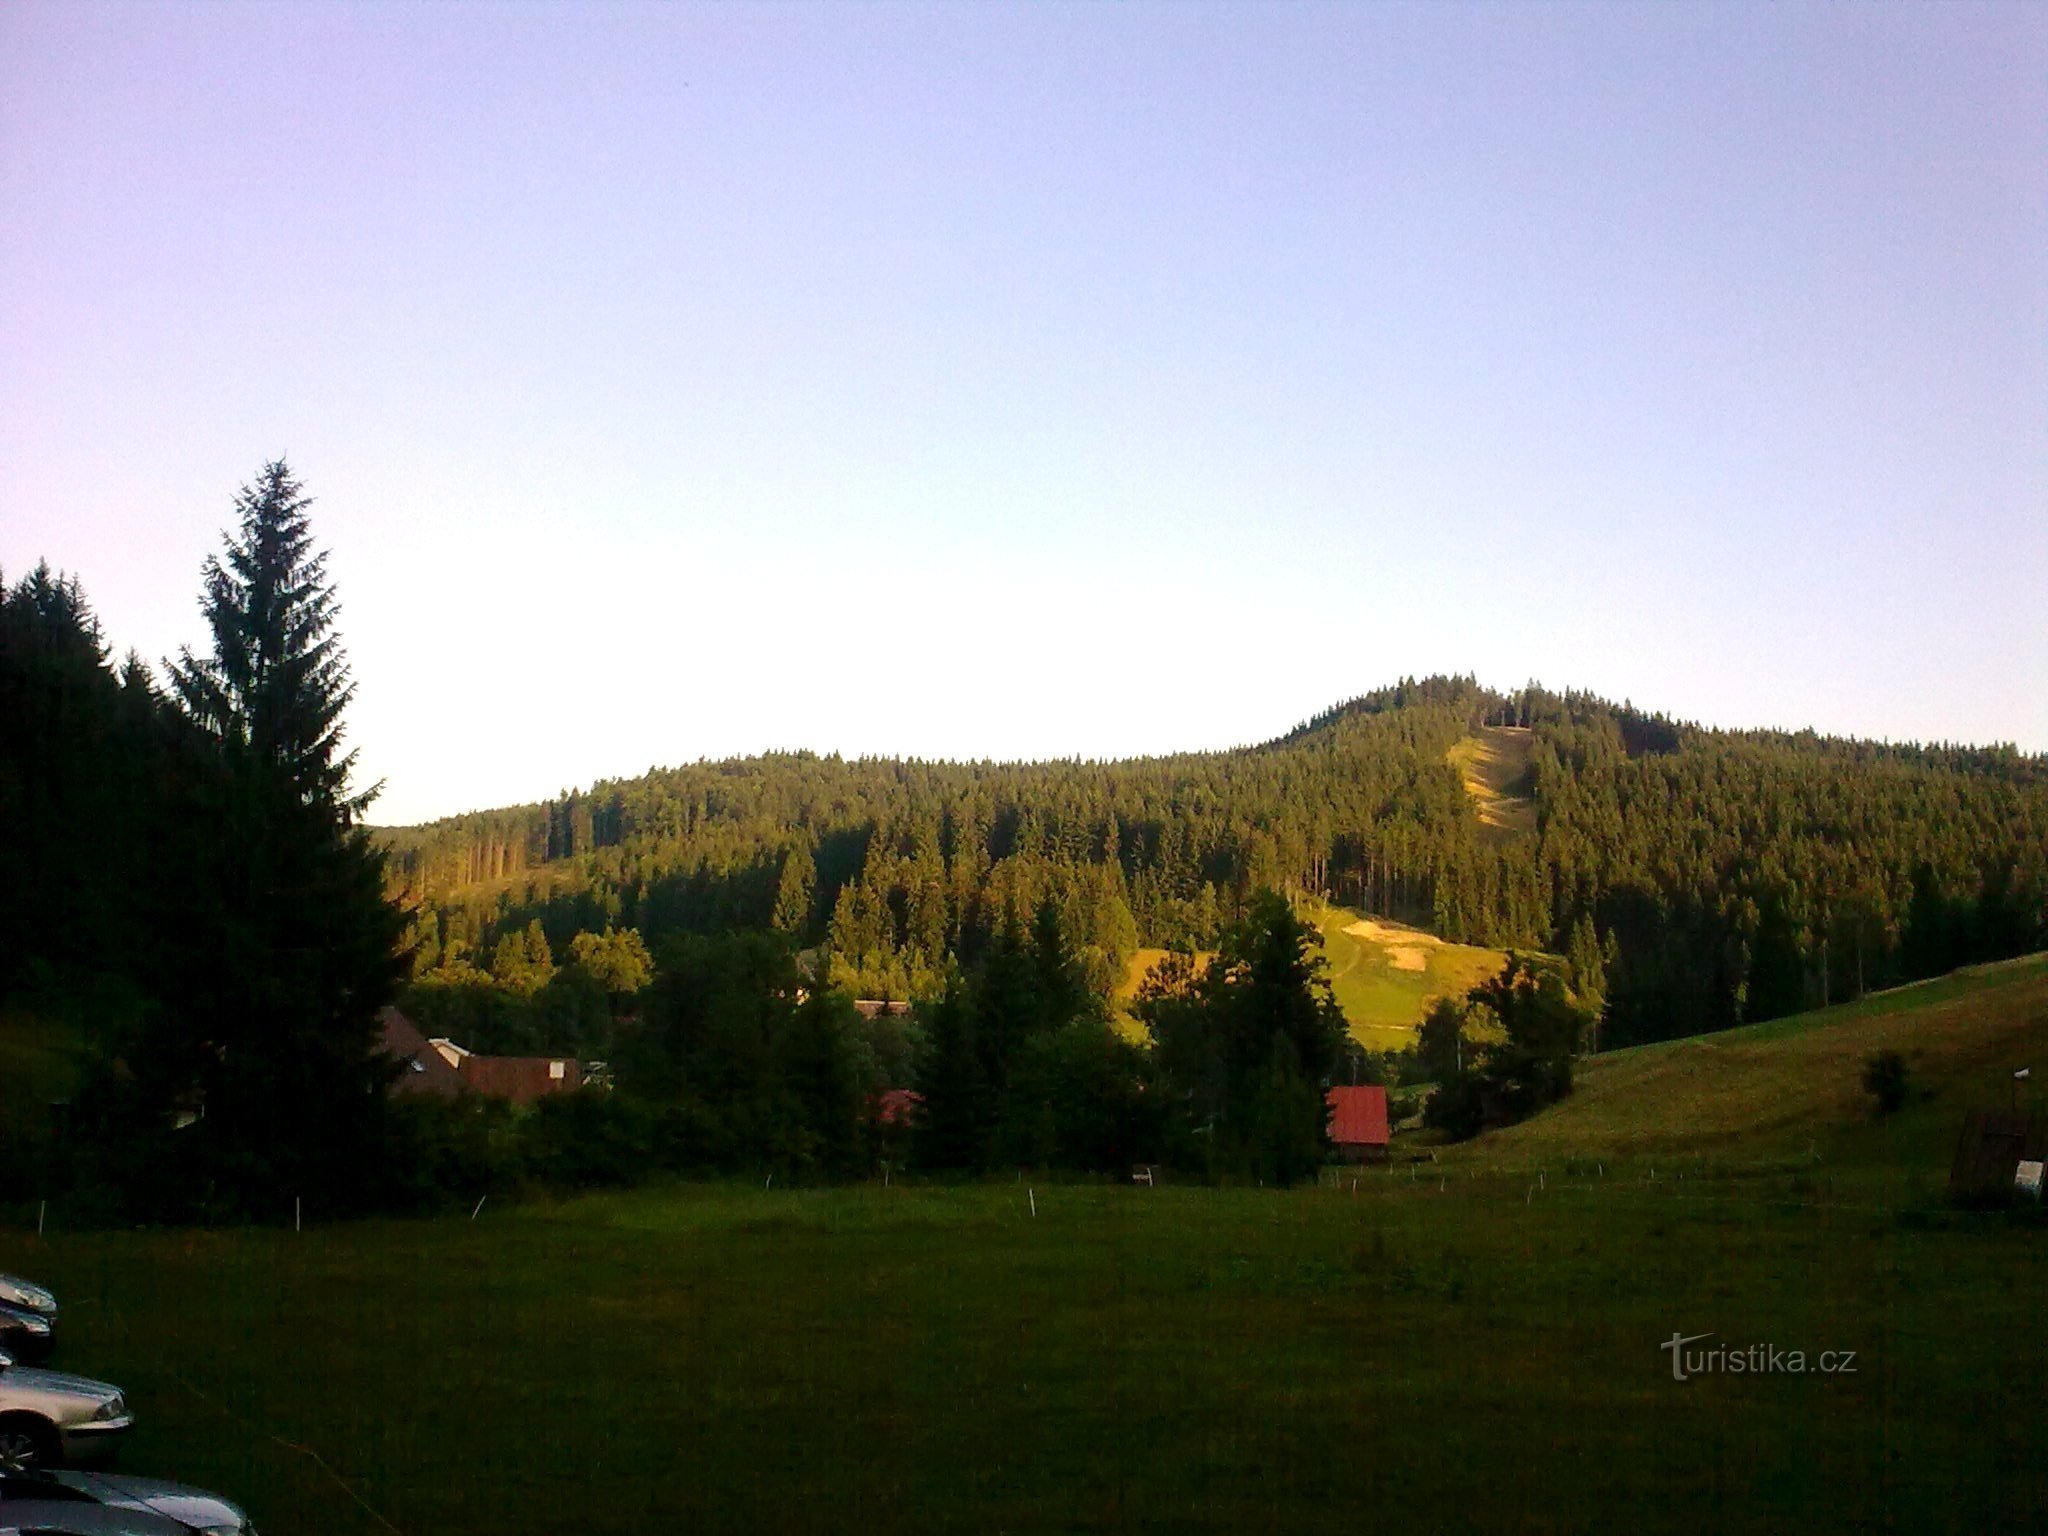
pixel 1457 1108
pixel 1886 1080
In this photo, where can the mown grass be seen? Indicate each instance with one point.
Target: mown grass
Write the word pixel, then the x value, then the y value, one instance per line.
pixel 1463 1355
pixel 1382 1001
pixel 1494 763
pixel 1469 1344
pixel 1795 1084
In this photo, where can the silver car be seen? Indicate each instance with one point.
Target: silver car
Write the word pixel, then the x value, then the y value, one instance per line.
pixel 61 1498
pixel 28 1318
pixel 43 1518
pixel 25 1335
pixel 28 1296
pixel 47 1417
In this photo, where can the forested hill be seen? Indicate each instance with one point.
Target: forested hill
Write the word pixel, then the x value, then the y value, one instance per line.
pixel 1697 878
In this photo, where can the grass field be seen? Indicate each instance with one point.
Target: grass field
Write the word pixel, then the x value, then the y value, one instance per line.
pixel 1469 1344
pixel 1795 1084
pixel 1494 763
pixel 1385 975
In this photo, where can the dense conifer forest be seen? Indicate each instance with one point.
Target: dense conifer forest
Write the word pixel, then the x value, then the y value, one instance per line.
pixel 1697 878
pixel 189 892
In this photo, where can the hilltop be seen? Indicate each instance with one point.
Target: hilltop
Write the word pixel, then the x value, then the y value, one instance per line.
pixel 1697 879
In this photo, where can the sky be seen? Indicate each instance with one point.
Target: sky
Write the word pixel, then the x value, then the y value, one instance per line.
pixel 1057 380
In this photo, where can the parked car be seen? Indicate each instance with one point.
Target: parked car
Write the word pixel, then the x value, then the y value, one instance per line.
pixel 39 1518
pixel 48 1418
pixel 178 1507
pixel 27 1295
pixel 28 1336
pixel 25 1299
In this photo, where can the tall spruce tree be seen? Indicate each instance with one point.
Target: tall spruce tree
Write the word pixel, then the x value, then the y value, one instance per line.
pixel 273 689
pixel 270 1033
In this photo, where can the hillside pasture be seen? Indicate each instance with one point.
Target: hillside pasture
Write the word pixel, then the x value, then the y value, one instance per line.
pixel 1385 974
pixel 1794 1085
pixel 1494 763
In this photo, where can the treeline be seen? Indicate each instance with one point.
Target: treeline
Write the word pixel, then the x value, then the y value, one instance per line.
pixel 184 885
pixel 728 1060
pixel 1717 876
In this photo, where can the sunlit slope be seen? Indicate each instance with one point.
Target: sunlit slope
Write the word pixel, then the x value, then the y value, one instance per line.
pixel 1386 975
pixel 1140 967
pixel 1795 1084
pixel 1494 763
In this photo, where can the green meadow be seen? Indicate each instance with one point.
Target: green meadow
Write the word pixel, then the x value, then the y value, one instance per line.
pixel 1385 975
pixel 1469 1343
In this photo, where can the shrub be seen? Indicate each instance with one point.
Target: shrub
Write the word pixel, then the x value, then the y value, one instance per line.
pixel 1886 1080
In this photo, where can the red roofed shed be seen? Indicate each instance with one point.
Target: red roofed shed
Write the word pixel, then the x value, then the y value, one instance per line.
pixel 1358 1122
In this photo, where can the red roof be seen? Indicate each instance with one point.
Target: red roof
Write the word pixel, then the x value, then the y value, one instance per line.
pixel 422 1069
pixel 1358 1116
pixel 522 1079
pixel 898 1106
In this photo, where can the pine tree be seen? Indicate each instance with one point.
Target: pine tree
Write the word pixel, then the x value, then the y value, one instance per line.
pixel 270 1031
pixel 273 690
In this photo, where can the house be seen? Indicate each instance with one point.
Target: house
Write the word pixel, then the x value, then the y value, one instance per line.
pixel 898 1106
pixel 880 1007
pixel 422 1066
pixel 522 1079
pixel 442 1067
pixel 1358 1122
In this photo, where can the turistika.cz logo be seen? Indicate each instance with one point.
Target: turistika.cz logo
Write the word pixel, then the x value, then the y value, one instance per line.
pixel 1752 1359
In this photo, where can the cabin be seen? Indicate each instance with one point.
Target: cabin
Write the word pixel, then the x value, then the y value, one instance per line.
pixel 422 1066
pixel 443 1068
pixel 1358 1123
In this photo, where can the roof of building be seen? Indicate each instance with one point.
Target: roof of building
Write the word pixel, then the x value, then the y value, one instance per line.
pixel 875 1007
pixel 898 1106
pixel 422 1069
pixel 1358 1116
pixel 522 1079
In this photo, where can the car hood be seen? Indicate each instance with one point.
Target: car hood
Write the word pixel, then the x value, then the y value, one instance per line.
pixel 176 1501
pixel 29 1379
pixel 17 1292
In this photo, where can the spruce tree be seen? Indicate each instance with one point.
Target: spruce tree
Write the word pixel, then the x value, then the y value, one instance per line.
pixel 270 1034
pixel 272 691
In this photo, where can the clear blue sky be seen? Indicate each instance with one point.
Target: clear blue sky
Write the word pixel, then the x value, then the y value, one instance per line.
pixel 1044 381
